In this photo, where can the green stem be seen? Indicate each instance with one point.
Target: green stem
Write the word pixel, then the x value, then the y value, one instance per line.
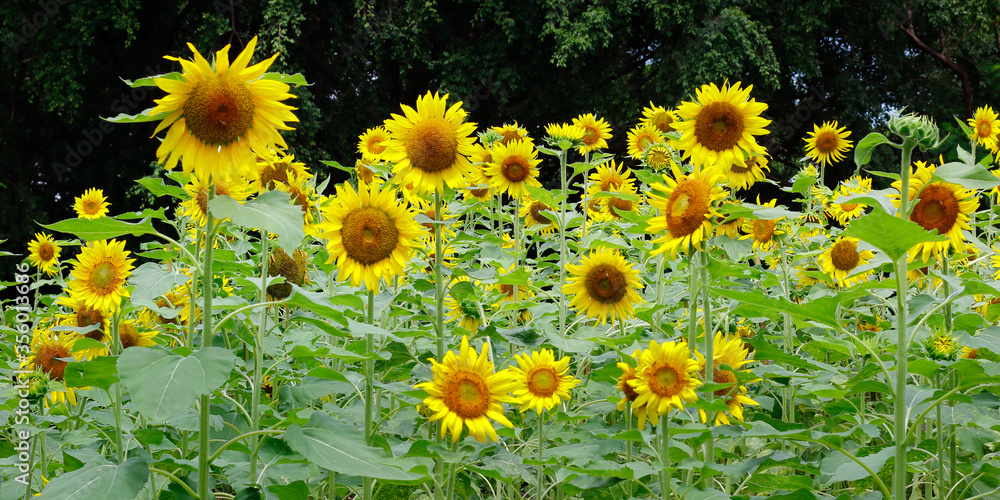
pixel 665 473
pixel 241 437
pixel 628 446
pixel 175 479
pixel 692 303
pixel 331 485
pixel 204 464
pixel 709 349
pixel 452 473
pixel 541 447
pixel 902 341
pixel 586 174
pixel 370 386
pixel 563 249
pixel 941 455
pixel 116 350
pixel 258 353
pixel 439 320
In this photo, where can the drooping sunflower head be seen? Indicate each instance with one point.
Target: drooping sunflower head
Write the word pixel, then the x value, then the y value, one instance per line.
pixel 828 143
pixel 370 234
pixel 512 132
pixel 544 381
pixel 666 377
pixel 219 115
pixel 596 132
pixel 659 157
pixel 430 144
pixel 940 206
pixel 533 212
pixel 628 373
pixel 95 322
pixel 641 138
pixel 514 166
pixel 611 177
pixel 842 258
pixel 719 128
pixel 467 393
pixel 92 205
pixel 570 135
pixel 196 207
pixel 604 284
pixel 99 274
pixel 985 127
pixel 465 307
pixel 133 335
pixel 762 231
pixel 688 206
pixel 739 177
pixel 43 253
pixel 479 183
pixel 293 268
pixel 371 144
pixel 659 117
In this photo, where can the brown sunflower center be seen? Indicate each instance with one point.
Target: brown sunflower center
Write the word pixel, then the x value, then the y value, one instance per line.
pixel 763 230
pixel 620 205
pixel 719 126
pixel 536 209
pixel 47 357
pixel 91 207
pixel 365 174
pixel 542 381
pixel 375 145
pixel 611 182
pixel 662 121
pixel 983 129
pixel 937 208
pixel 467 395
pixel 687 207
pixel 103 276
pixel 827 141
pixel 665 380
pixel 724 377
pixel 736 169
pixel 508 290
pixel 87 317
pixel 510 135
pixel 219 110
pixel 591 135
pixel 848 207
pixel 515 168
pixel 128 335
pixel 605 284
pixel 480 193
pixel 627 388
pixel 270 175
pixel 369 235
pixel 46 252
pixel 844 255
pixel 431 145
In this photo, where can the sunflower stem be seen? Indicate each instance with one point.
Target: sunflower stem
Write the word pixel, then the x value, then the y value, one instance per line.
pixel 541 466
pixel 692 303
pixel 586 175
pixel 204 465
pixel 331 485
pixel 563 249
pixel 946 289
pixel 709 352
pixel 666 472
pixel 452 472
pixel 258 353
pixel 628 446
pixel 439 321
pixel 941 452
pixel 902 339
pixel 116 350
pixel 370 384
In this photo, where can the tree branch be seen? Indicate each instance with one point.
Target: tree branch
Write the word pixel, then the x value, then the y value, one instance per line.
pixel 961 71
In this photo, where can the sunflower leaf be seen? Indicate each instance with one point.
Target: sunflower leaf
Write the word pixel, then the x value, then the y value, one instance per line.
pixel 297 79
pixel 874 198
pixel 863 153
pixel 270 211
pixel 163 383
pixel 139 118
pixel 156 186
pixel 105 482
pixel 101 229
pixel 894 236
pixel 543 195
pixel 967 176
pixel 100 372
pixel 150 81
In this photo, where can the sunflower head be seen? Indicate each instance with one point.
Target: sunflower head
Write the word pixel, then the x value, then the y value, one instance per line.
pixel 509 133
pixel 371 144
pixel 99 274
pixel 43 253
pixel 918 128
pixel 828 143
pixel 666 377
pixel 688 204
pixel 92 205
pixel 276 168
pixel 641 138
pixel 659 118
pixel 938 206
pixel 514 166
pixel 739 177
pixel 604 284
pixel 565 135
pixel 941 345
pixel 611 177
pixel 596 132
pixel 544 381
pixel 720 126
pixel 659 157
pixel 985 127
pixel 762 231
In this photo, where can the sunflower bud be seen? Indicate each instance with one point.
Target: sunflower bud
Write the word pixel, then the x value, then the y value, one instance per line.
pixel 38 385
pixel 941 345
pixel 916 127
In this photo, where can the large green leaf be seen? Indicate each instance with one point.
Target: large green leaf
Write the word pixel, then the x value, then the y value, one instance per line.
pixel 967 176
pixel 163 383
pixel 341 448
pixel 151 280
pixel 863 152
pixel 838 467
pixel 100 482
pixel 822 310
pixel 156 186
pixel 317 303
pixel 101 372
pixel 101 229
pixel 892 235
pixel 270 211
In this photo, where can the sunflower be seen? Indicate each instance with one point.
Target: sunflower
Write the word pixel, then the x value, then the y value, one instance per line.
pixel 364 174
pixel 479 183
pixel 370 234
pixel 611 176
pixel 49 350
pixel 614 206
pixel 719 128
pixel 429 145
pixel 371 144
pixel 510 133
pixel 658 117
pixel 196 207
pixel 43 253
pixel 732 352
pixel 544 382
pixel 466 392
pixel 985 127
pixel 514 166
pixel 532 211
pixel 91 322
pixel 940 206
pixel 742 177
pixel 641 138
pixel 596 132
pixel 728 226
pixel 941 345
pixel 558 132
pixel 842 258
pixel 467 311
pixel 659 157
pixel 301 192
pixel 846 212
pixel 995 262
pixel 603 284
pixel 173 308
pixel 688 205
pixel 828 143
pixel 92 205
pixel 628 373
pixel 762 231
pixel 597 210
pixel 666 376
pixel 218 117
pixel 99 274
pixel 274 168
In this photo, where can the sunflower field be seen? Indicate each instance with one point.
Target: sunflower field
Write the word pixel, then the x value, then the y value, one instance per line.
pixel 443 326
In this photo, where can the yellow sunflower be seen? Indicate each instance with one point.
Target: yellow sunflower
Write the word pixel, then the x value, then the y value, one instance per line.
pixel 727 350
pixel 762 231
pixel 572 133
pixel 510 133
pixel 43 253
pixel 985 127
pixel 842 258
pixel 611 176
pixel 173 308
pixel 719 128
pixel 628 373
pixel 544 382
pixel 940 206
pixel 370 234
pixel 641 138
pixel 995 262
pixel 688 207
pixel 302 192
pixel 728 226
pixel 466 392
pixel 596 132
pixel 828 143
pixel 666 376
pixel 514 166
pixel 742 177
pixel 196 207
pixel 49 350
pixel 846 212
pixel 532 211
pixel 615 206
pixel 94 323
pixel 659 157
pixel 430 145
pixel 604 284
pixel 92 205
pixel 659 117
pixel 274 167
pixel 99 274
pixel 467 312
pixel 372 144
pixel 479 183
pixel 219 117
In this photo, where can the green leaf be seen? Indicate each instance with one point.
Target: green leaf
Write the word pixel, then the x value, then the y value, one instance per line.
pixel 874 198
pixel 100 482
pixel 100 372
pixel 270 211
pixel 543 195
pixel 151 280
pixel 460 290
pixel 519 276
pixel 139 118
pixel 892 235
pixel 763 482
pixel 822 310
pixel 292 491
pixel 802 185
pixel 838 467
pixel 156 186
pixel 297 79
pixel 967 176
pixel 150 81
pixel 100 229
pixel 317 303
pixel 341 448
pixel 863 151
pixel 987 339
pixel 338 166
pixel 163 383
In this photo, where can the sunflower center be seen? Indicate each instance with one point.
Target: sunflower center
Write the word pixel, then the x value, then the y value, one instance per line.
pixel 46 252
pixel 763 230
pixel 611 182
pixel 736 169
pixel 827 141
pixel 510 135
pixel 543 381
pixel 87 317
pixel 657 157
pixel 128 335
pixel 627 388
pixel 719 126
pixel 848 207
pixel 536 210
pixel 937 208
pixel 662 121
pixel 620 205
pixel 467 395
pixel 479 193
pixel 665 380
pixel 369 235
pixel 508 290
pixel 724 377
pixel 590 135
pixel 687 207
pixel 103 276
pixel 984 129
pixel 431 145
pixel 515 168
pixel 270 175
pixel 844 255
pixel 605 284
pixel 219 110
pixel 48 356
pixel 375 145
pixel 91 207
